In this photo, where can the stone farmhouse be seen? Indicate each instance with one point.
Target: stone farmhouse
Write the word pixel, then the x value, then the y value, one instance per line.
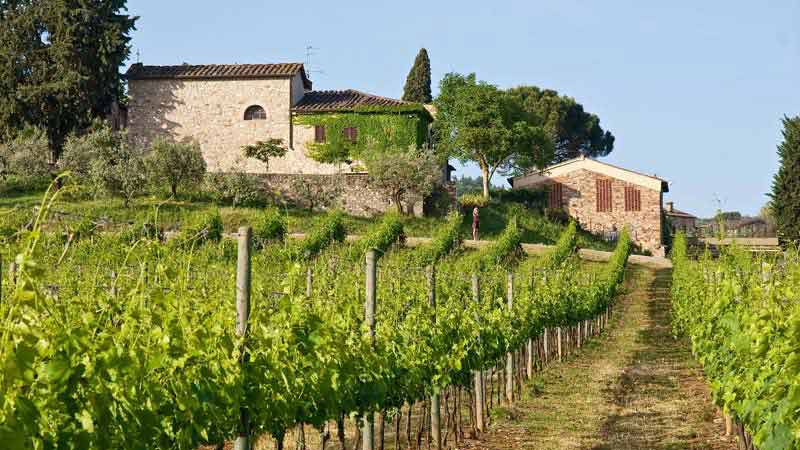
pixel 604 198
pixel 681 221
pixel 224 107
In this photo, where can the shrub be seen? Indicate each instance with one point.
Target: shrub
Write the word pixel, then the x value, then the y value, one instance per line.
pixel 530 198
pixel 399 173
pixel 80 152
pixel 202 228
pixel 271 226
pixel 330 229
pixel 26 158
pixel 469 201
pixel 314 194
pixel 235 188
pixel 557 215
pixel 447 238
pixel 380 236
pixel 176 164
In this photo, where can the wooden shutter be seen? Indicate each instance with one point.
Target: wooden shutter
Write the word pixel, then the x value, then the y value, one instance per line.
pixel 604 197
pixel 633 199
pixel 554 200
pixel 351 134
pixel 319 134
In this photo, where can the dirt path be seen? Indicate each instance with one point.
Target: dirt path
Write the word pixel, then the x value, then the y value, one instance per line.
pixel 633 388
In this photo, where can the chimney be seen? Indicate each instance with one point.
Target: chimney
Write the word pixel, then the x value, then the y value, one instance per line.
pixel 669 206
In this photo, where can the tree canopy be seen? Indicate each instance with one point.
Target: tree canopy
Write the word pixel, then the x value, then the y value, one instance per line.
pixel 574 132
pixel 59 64
pixel 476 121
pixel 418 83
pixel 786 184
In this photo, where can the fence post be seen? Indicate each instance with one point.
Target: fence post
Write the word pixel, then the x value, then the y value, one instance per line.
pixel 558 332
pixel 436 413
pixel 544 344
pixel 476 296
pixel 369 318
pixel 309 282
pixel 242 315
pixel 510 355
pixel 529 362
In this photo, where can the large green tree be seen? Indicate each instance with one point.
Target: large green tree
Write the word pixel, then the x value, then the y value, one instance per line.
pixel 574 131
pixel 786 184
pixel 476 121
pixel 59 64
pixel 418 83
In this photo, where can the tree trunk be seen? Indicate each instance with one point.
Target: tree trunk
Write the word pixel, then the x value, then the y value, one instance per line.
pixel 340 431
pixel 486 178
pixel 174 190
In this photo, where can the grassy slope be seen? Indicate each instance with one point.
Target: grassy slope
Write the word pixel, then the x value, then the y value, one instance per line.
pixel 536 229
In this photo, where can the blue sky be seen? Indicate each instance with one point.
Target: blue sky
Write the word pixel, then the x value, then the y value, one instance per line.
pixel 693 91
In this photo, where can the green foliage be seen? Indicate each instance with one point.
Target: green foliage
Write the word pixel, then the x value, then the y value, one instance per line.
pixel 203 227
pixel 380 129
pixel 236 188
pixel 119 171
pixel 476 121
pixel 380 236
pixel 264 150
pixel 418 83
pixel 59 64
pixel 786 184
pixel 565 246
pixel 506 249
pixel 470 201
pixel 176 164
pixel 81 150
pixel 270 227
pixel 329 230
pixel 401 172
pixel 444 241
pixel 742 315
pixel 574 131
pixel 26 157
pixel 467 185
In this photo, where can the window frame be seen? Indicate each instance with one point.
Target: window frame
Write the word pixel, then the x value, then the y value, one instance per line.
pixel 255 112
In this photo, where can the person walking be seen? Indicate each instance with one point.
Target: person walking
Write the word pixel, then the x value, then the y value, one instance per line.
pixel 475 224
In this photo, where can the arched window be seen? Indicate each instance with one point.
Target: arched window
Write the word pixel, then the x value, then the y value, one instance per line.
pixel 255 112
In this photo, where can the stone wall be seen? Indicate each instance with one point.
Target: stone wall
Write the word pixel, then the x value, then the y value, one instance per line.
pixel 579 194
pixel 212 113
pixel 350 191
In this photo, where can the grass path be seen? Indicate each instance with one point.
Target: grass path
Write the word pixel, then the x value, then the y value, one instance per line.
pixel 633 388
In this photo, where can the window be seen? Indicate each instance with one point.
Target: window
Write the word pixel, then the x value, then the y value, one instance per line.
pixel 633 199
pixel 604 199
pixel 350 133
pixel 554 200
pixel 255 112
pixel 319 134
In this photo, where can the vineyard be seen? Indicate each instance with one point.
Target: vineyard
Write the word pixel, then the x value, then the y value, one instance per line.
pixel 743 317
pixel 124 341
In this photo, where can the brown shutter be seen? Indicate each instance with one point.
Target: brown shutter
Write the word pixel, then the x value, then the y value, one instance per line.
pixel 604 196
pixel 319 134
pixel 633 199
pixel 554 200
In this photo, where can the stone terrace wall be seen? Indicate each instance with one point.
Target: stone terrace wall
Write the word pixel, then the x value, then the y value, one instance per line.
pixel 579 194
pixel 352 192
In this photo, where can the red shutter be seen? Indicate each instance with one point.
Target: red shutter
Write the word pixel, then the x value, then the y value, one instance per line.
pixel 633 199
pixel 555 200
pixel 351 134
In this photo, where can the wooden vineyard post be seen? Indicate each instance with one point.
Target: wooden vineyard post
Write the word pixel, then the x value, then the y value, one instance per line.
pixel 529 362
pixel 544 344
pixel 558 333
pixel 476 296
pixel 242 315
pixel 309 282
pixel 369 319
pixel 436 413
pixel 728 424
pixel 510 355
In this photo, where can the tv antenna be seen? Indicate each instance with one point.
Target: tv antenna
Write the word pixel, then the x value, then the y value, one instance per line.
pixel 310 51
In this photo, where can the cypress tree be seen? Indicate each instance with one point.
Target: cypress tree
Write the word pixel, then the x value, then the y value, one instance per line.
pixel 786 184
pixel 418 82
pixel 59 63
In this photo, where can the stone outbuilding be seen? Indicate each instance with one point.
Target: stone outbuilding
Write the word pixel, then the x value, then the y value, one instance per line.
pixel 680 220
pixel 604 198
pixel 225 107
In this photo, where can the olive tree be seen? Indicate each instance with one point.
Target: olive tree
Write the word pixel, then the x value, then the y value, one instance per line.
pixel 176 164
pixel 402 172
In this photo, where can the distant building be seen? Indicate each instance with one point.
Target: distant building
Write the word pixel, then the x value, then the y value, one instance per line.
pixel 681 221
pixel 604 198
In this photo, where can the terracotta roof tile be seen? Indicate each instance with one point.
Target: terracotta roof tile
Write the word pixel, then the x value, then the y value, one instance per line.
pixel 326 101
pixel 186 71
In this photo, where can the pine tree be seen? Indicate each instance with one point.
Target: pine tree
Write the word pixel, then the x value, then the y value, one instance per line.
pixel 786 184
pixel 418 82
